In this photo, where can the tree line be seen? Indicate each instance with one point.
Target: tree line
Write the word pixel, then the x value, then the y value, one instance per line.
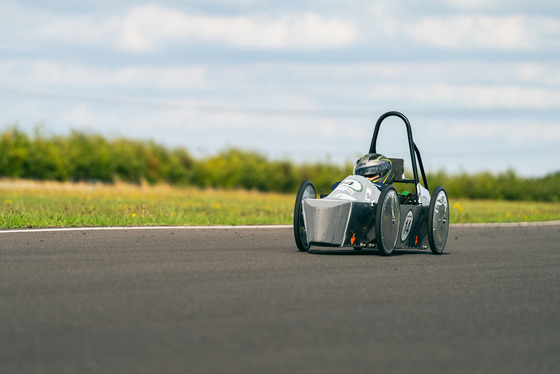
pixel 82 156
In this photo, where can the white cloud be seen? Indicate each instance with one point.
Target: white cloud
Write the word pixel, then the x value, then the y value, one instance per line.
pixel 152 27
pixel 42 73
pixel 483 97
pixel 518 134
pixel 77 29
pixel 511 32
pixel 499 6
pixel 283 86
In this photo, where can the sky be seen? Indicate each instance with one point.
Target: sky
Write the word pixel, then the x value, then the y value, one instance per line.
pixel 302 80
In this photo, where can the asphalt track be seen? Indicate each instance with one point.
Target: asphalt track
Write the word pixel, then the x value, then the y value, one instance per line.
pixel 244 300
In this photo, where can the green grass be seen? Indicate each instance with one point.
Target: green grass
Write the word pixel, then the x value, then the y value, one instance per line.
pixel 484 211
pixel 50 204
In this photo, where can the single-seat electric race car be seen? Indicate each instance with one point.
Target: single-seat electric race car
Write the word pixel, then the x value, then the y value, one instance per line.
pixel 359 214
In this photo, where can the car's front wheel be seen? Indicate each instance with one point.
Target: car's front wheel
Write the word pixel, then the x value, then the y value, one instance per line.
pixel 438 220
pixel 306 191
pixel 387 220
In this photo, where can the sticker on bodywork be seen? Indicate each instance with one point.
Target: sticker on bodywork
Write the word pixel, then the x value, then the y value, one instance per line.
pixel 368 194
pixel 353 184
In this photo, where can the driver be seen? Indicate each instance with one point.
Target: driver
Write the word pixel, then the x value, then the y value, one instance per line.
pixel 377 168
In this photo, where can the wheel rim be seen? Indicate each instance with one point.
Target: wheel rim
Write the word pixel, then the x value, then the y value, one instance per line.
pixel 440 220
pixel 307 191
pixel 389 221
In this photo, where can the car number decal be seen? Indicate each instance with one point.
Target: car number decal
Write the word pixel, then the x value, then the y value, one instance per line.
pixel 407 225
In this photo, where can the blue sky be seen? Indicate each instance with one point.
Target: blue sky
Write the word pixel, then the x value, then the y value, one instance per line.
pixel 304 80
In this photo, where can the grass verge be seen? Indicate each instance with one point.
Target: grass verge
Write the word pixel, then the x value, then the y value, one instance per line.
pixel 486 211
pixel 48 204
pixel 26 204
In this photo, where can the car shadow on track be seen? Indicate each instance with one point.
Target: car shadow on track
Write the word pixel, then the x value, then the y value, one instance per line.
pixel 367 252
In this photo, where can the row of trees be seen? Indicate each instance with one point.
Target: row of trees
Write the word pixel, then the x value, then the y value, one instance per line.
pixel 502 186
pixel 91 157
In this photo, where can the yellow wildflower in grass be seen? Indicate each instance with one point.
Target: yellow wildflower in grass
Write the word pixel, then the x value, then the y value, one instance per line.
pixel 458 207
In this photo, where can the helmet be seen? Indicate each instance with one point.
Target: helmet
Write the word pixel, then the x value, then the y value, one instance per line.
pixel 375 163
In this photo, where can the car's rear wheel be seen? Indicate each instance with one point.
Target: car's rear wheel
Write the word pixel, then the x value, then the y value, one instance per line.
pixel 387 220
pixel 438 220
pixel 306 191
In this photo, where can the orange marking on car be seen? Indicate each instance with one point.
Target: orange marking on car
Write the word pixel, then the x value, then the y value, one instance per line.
pixel 353 239
pixel 416 240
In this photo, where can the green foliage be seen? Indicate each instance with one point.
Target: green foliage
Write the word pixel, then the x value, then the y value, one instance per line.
pixel 83 156
pixel 234 168
pixel 13 152
pixel 501 186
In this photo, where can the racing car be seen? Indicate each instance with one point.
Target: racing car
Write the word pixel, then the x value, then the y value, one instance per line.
pixel 359 214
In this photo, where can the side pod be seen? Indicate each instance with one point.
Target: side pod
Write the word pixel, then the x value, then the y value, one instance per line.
pixel 339 223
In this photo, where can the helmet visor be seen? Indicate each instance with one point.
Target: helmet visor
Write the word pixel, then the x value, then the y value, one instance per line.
pixel 372 168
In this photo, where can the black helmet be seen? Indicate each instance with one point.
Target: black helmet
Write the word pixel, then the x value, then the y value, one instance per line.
pixel 375 163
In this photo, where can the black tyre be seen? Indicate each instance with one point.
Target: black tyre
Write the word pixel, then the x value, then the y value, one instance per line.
pixel 387 220
pixel 438 220
pixel 306 191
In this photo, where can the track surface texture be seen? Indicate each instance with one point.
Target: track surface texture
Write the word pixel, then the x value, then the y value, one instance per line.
pixel 244 300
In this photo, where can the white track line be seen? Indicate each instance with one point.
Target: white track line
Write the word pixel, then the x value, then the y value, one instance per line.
pixel 145 228
pixel 510 224
pixel 524 224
